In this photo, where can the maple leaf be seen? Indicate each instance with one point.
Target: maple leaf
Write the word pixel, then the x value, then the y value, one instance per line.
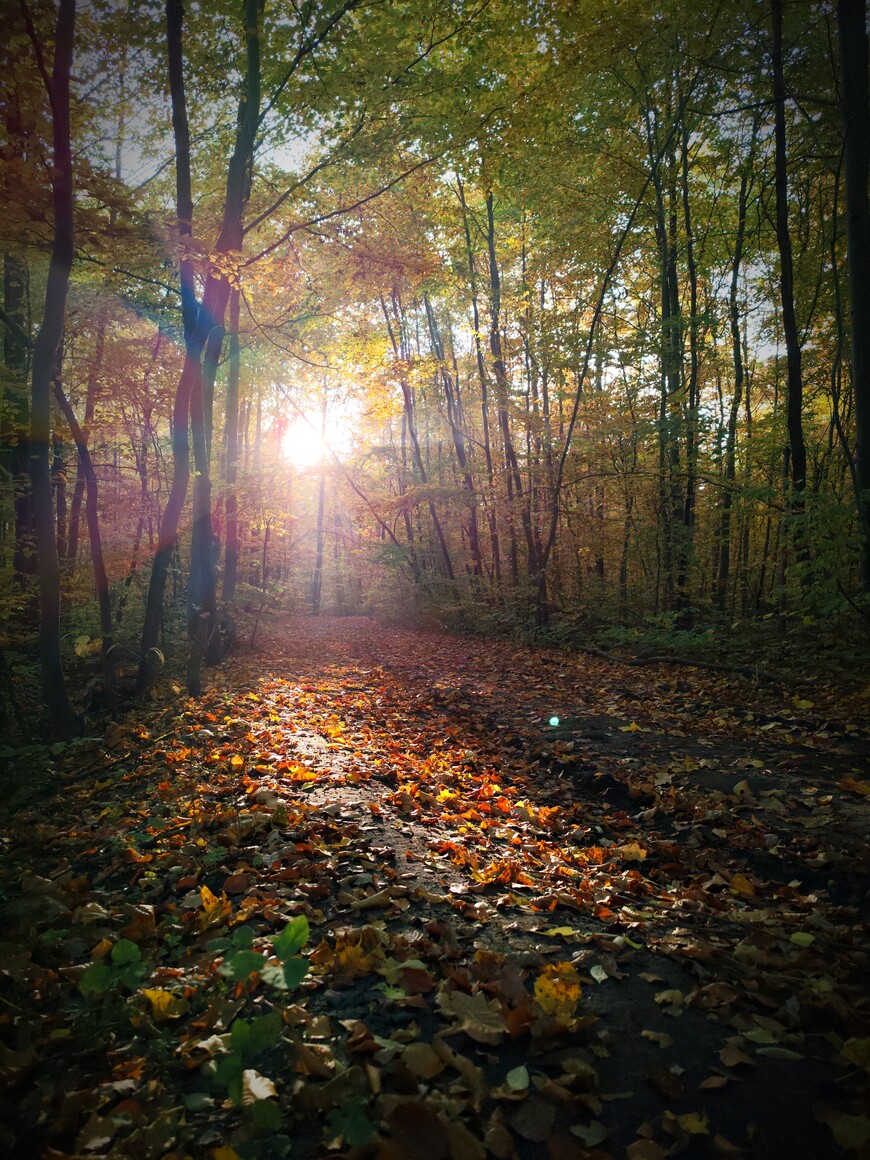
pixel 477 1016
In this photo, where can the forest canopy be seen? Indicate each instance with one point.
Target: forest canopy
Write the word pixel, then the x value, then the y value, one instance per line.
pixel 516 316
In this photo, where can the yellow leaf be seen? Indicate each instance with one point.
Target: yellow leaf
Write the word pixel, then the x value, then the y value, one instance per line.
pixel 740 885
pixel 630 852
pixel 695 1123
pixel 801 704
pixel 672 997
pixel 557 990
pixel 300 773
pixel 214 909
pixel 802 938
pixel 236 762
pixel 557 931
pixel 852 785
pixel 164 1005
pixel 225 1152
pixel 632 728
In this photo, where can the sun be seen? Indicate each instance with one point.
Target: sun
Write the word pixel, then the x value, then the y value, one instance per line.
pixel 302 444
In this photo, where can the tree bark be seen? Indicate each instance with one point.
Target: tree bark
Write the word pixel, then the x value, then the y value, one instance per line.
pixel 730 472
pixel 45 352
pixel 317 576
pixel 200 320
pixel 16 430
pixel 401 356
pixel 101 580
pixel 456 422
pixel 512 471
pixel 231 558
pixel 484 402
pixel 794 395
pixel 75 509
pixel 851 17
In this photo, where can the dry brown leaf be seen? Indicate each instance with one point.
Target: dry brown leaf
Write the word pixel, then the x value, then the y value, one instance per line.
pixel 475 1015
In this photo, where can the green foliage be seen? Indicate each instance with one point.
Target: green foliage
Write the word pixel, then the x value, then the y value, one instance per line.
pixel 124 970
pixel 243 964
pixel 248 1040
pixel 351 1123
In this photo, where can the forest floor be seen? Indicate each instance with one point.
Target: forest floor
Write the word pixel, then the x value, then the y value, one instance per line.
pixel 637 932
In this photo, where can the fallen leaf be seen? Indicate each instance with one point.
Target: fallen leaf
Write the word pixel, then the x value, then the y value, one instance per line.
pixel 660 1037
pixel 164 1004
pixel 477 1016
pixel 558 990
pixel 518 1078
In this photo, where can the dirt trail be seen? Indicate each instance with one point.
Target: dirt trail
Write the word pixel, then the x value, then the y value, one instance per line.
pixel 641 930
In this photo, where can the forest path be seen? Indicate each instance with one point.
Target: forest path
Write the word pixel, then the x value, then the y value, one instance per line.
pixel 643 929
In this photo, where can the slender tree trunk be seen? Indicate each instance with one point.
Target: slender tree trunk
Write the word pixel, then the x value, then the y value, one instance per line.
pixel 200 320
pixel 101 580
pixel 167 534
pixel 96 366
pixel 730 473
pixel 665 435
pixel 201 594
pixel 852 16
pixel 16 430
pixel 692 387
pixel 45 353
pixel 58 479
pixel 512 472
pixel 484 402
pixel 231 559
pixel 401 356
pixel 456 421
pixel 317 576
pixel 794 395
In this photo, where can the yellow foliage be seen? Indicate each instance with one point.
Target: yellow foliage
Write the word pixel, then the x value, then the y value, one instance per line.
pixel 557 990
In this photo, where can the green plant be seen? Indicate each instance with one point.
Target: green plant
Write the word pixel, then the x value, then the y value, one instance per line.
pixel 124 969
pixel 248 1040
pixel 286 973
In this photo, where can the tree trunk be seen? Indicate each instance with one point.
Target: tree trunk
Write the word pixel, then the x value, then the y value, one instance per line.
pixel 45 352
pixel 693 386
pixel 317 576
pixel 730 472
pixel 200 320
pixel 484 402
pixel 16 430
pixel 101 580
pixel 201 595
pixel 512 472
pixel 456 421
pixel 851 16
pixel 75 509
pixel 58 480
pixel 231 559
pixel 794 395
pixel 401 356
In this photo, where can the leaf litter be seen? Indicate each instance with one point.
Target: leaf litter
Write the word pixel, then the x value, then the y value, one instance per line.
pixel 383 894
